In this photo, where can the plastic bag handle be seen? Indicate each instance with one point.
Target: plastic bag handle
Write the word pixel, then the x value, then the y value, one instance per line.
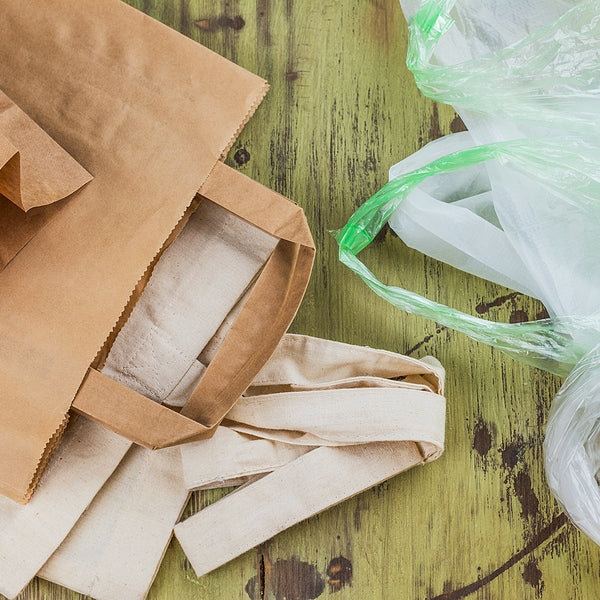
pixel 555 344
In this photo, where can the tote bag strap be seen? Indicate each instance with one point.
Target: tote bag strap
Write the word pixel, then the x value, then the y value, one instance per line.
pixel 363 436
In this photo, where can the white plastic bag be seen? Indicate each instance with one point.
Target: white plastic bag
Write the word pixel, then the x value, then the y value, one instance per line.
pixel 516 200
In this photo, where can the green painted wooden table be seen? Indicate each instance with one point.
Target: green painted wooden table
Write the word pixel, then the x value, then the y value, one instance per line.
pixel 480 522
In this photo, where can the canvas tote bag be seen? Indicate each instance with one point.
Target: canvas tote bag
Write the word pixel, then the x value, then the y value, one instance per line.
pixel 322 422
pixel 148 113
pixel 326 420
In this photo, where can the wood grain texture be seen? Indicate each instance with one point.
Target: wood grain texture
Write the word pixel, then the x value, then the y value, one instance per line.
pixel 480 522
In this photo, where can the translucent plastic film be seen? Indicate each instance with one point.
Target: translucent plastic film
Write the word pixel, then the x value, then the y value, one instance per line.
pixel 515 200
pixel 572 445
pixel 529 63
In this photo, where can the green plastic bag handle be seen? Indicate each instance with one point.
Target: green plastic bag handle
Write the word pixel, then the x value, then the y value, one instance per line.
pixel 554 344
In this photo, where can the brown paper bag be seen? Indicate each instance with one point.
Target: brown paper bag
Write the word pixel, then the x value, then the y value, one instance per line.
pixel 148 112
pixel 262 321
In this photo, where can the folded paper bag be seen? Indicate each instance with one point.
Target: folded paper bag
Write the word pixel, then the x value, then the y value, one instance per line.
pixel 34 169
pixel 35 173
pixel 149 113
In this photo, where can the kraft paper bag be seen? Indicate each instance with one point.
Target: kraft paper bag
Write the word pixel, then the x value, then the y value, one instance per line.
pixel 365 425
pixel 148 113
pixel 266 312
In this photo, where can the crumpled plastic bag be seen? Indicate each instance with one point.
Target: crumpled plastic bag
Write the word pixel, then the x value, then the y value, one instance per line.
pixel 515 200
pixel 511 68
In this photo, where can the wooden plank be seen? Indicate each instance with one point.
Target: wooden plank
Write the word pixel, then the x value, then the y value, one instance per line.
pixel 478 523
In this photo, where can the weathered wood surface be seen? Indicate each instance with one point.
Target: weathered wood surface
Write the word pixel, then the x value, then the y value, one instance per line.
pixel 479 523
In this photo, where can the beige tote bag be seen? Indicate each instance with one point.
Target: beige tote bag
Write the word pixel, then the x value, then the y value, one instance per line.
pixel 131 519
pixel 358 416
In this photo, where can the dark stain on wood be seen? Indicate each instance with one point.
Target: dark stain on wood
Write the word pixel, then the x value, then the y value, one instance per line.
pixel 251 590
pixel 484 307
pixel 379 25
pixel 186 565
pixel 292 75
pixel 511 454
pixel 457 125
pixel 518 316
pixel 339 573
pixel 357 515
pixel 255 587
pixel 426 339
pixel 447 587
pixel 285 579
pixel 221 22
pixel 263 22
pixel 147 6
pixel 525 494
pixel 261 573
pixel 435 130
pixel 241 157
pixel 482 438
pixel 383 233
pixel 289 9
pixel 532 574
pixel 185 19
pixel 542 314
pixel 382 488
pixel 448 593
pixel 294 579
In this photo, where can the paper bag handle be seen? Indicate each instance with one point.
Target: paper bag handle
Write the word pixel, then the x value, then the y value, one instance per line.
pixel 132 415
pixel 253 337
